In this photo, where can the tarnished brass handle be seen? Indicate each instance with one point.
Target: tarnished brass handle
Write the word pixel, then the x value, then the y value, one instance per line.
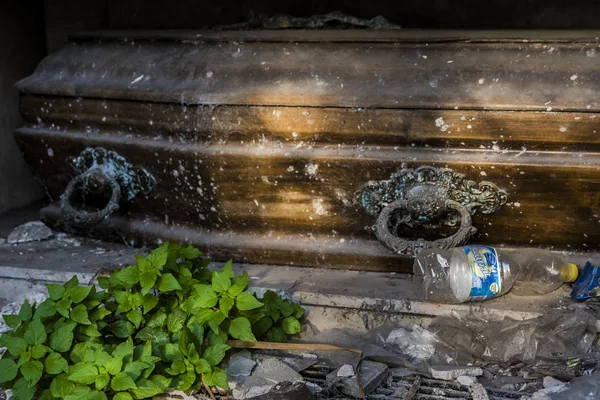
pixel 403 246
pixel 93 180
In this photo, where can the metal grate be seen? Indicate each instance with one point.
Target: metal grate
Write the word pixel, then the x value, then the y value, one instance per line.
pixel 405 387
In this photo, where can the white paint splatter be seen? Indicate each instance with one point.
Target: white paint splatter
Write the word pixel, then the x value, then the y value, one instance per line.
pixel 483 173
pixel 50 152
pixel 311 169
pixel 290 168
pixel 563 129
pixel 209 74
pixel 318 207
pixel 517 204
pixel 481 81
pixel 440 123
pixel 136 80
pixel 574 77
pixel 591 53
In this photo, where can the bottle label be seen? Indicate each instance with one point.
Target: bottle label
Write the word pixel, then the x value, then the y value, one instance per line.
pixel 486 282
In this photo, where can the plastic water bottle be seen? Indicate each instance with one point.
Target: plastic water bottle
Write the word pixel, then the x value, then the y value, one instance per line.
pixel 473 273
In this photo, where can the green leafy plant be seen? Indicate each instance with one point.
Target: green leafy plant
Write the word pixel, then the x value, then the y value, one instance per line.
pixel 162 323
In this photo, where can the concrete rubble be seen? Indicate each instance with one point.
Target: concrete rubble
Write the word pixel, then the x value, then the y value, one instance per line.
pixel 370 374
pixel 34 231
pixel 450 373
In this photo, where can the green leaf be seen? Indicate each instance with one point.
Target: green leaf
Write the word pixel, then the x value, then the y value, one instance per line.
pixel 287 308
pixel 84 373
pixel 149 302
pixel 135 316
pixel 38 351
pixel 262 326
pixel 61 386
pixel 147 280
pixel 291 326
pixel 15 345
pixel 197 331
pixel 240 283
pixel 124 349
pixel 157 320
pixel 228 269
pixel 26 312
pixel 104 282
pixel 215 354
pixel 276 334
pixel 90 330
pixel 12 321
pixel 96 395
pixel 145 389
pixel 35 333
pixel 176 320
pixel 134 369
pixel 240 329
pixel 216 320
pixel 185 381
pixel 128 276
pixel 203 296
pixel 46 309
pixel 218 378
pixel 23 390
pixel 176 368
pixel 46 395
pixel 226 304
pixel 114 365
pixel 298 311
pixel 220 338
pixel 62 339
pixel 202 366
pixel 203 316
pixel 122 329
pixel 32 371
pixel 245 301
pixel 63 306
pixel 168 283
pixel 122 382
pixel 79 393
pixel 171 352
pixel 56 364
pixel 125 301
pixel 122 396
pixel 137 299
pixel 71 283
pixel 9 370
pixel 190 253
pixel 161 381
pixel 158 257
pixel 79 314
pixel 79 293
pixel 25 356
pixel 99 313
pixel 220 281
pixel 102 381
pixel 55 291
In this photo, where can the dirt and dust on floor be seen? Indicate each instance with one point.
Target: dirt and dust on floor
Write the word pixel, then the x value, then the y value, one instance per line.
pixel 474 352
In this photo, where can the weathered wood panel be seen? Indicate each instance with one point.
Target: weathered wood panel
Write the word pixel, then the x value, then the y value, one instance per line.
pixel 507 76
pixel 305 126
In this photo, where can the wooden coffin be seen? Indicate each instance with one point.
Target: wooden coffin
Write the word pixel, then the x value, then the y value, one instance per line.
pixel 286 147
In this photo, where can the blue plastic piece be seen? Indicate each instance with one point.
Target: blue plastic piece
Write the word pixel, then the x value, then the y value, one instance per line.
pixel 588 283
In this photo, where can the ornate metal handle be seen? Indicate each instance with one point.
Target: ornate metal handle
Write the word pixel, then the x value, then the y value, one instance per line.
pixel 102 171
pixel 401 245
pixel 427 197
pixel 92 181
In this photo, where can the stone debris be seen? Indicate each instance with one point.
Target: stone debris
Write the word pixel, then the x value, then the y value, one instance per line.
pixel 450 373
pixel 267 373
pixel 466 380
pixel 550 382
pixel 2 240
pixel 295 363
pixel 35 231
pixel 478 392
pixel 371 374
pixel 288 391
pixel 345 371
pixel 240 365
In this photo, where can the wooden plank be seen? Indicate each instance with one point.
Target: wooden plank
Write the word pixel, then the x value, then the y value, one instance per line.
pixel 478 76
pixel 272 190
pixel 350 35
pixel 498 131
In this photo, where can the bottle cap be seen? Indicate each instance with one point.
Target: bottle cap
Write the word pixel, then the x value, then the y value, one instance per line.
pixel 569 272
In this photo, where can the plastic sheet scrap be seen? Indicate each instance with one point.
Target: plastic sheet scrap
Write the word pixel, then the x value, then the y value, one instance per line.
pixel 551 338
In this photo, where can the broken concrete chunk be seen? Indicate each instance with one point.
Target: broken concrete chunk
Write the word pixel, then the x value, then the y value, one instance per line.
pixel 345 371
pixel 240 365
pixel 478 392
pixel 295 363
pixel 551 382
pixel 288 391
pixel 371 375
pixel 275 371
pixel 466 380
pixel 30 232
pixel 449 373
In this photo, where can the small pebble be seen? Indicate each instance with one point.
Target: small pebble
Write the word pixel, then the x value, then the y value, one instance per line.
pixel 466 380
pixel 345 371
pixel 551 382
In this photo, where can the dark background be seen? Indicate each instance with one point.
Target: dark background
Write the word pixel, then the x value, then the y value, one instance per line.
pixel 29 29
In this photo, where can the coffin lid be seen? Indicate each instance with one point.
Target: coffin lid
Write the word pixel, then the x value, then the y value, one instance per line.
pixel 502 70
